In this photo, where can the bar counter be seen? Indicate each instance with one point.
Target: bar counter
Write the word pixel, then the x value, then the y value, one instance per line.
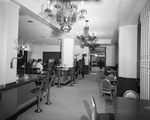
pixel 16 96
pixel 22 81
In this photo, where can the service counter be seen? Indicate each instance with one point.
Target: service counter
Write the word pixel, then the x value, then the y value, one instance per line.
pixel 15 96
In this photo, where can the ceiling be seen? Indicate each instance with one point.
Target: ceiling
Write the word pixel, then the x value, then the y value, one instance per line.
pixel 105 17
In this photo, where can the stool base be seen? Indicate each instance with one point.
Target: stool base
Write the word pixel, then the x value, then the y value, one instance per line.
pixel 38 110
pixel 48 103
pixel 71 85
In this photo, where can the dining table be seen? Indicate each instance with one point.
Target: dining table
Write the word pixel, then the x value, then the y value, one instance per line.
pixel 130 109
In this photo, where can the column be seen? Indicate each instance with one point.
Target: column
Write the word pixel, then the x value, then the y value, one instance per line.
pixel 67 52
pixel 9 21
pixel 127 70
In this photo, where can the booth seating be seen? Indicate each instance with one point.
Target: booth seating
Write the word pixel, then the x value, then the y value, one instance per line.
pixel 41 87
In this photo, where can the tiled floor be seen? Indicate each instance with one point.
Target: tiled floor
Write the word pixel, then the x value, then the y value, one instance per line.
pixel 71 102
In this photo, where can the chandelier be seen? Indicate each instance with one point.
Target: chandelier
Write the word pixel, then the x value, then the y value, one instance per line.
pixel 87 39
pixel 65 12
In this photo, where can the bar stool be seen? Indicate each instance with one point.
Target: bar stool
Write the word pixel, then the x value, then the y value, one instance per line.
pixel 72 76
pixel 74 82
pixel 58 70
pixel 39 90
pixel 48 91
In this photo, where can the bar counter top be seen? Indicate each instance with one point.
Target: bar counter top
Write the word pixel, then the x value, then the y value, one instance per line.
pixel 22 81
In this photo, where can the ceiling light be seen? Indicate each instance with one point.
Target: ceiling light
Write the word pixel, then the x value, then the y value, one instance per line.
pixel 65 13
pixel 87 39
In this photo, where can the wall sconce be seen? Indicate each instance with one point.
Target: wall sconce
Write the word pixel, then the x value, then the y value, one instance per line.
pixel 21 47
pixel 11 63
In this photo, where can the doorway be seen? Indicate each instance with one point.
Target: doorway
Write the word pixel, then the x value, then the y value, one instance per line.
pixel 98 58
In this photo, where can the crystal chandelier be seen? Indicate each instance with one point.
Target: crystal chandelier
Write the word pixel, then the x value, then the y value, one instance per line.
pixel 86 38
pixel 65 12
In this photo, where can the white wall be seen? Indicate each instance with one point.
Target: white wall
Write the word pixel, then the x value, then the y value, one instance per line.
pixel 128 51
pixel 37 51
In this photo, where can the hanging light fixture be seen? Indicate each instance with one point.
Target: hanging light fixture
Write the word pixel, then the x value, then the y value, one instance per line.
pixel 86 38
pixel 65 12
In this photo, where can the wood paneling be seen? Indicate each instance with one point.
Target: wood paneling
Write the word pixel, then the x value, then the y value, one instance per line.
pixel 126 84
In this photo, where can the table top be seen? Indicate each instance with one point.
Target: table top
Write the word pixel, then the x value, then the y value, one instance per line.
pixel 130 109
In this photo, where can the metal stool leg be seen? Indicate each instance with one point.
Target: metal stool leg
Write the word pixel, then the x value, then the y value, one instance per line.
pixel 59 81
pixel 71 84
pixel 48 97
pixel 48 92
pixel 80 74
pixel 38 110
pixel 74 82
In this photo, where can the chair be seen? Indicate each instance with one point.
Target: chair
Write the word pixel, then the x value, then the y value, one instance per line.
pixel 106 88
pixel 94 109
pixel 131 94
pixel 111 75
pixel 100 116
pixel 39 90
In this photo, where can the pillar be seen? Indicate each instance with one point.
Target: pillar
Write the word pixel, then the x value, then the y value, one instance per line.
pixel 127 70
pixel 9 21
pixel 67 52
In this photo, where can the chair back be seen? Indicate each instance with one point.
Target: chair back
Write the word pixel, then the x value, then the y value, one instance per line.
pixel 94 109
pixel 106 85
pixel 111 75
pixel 131 94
